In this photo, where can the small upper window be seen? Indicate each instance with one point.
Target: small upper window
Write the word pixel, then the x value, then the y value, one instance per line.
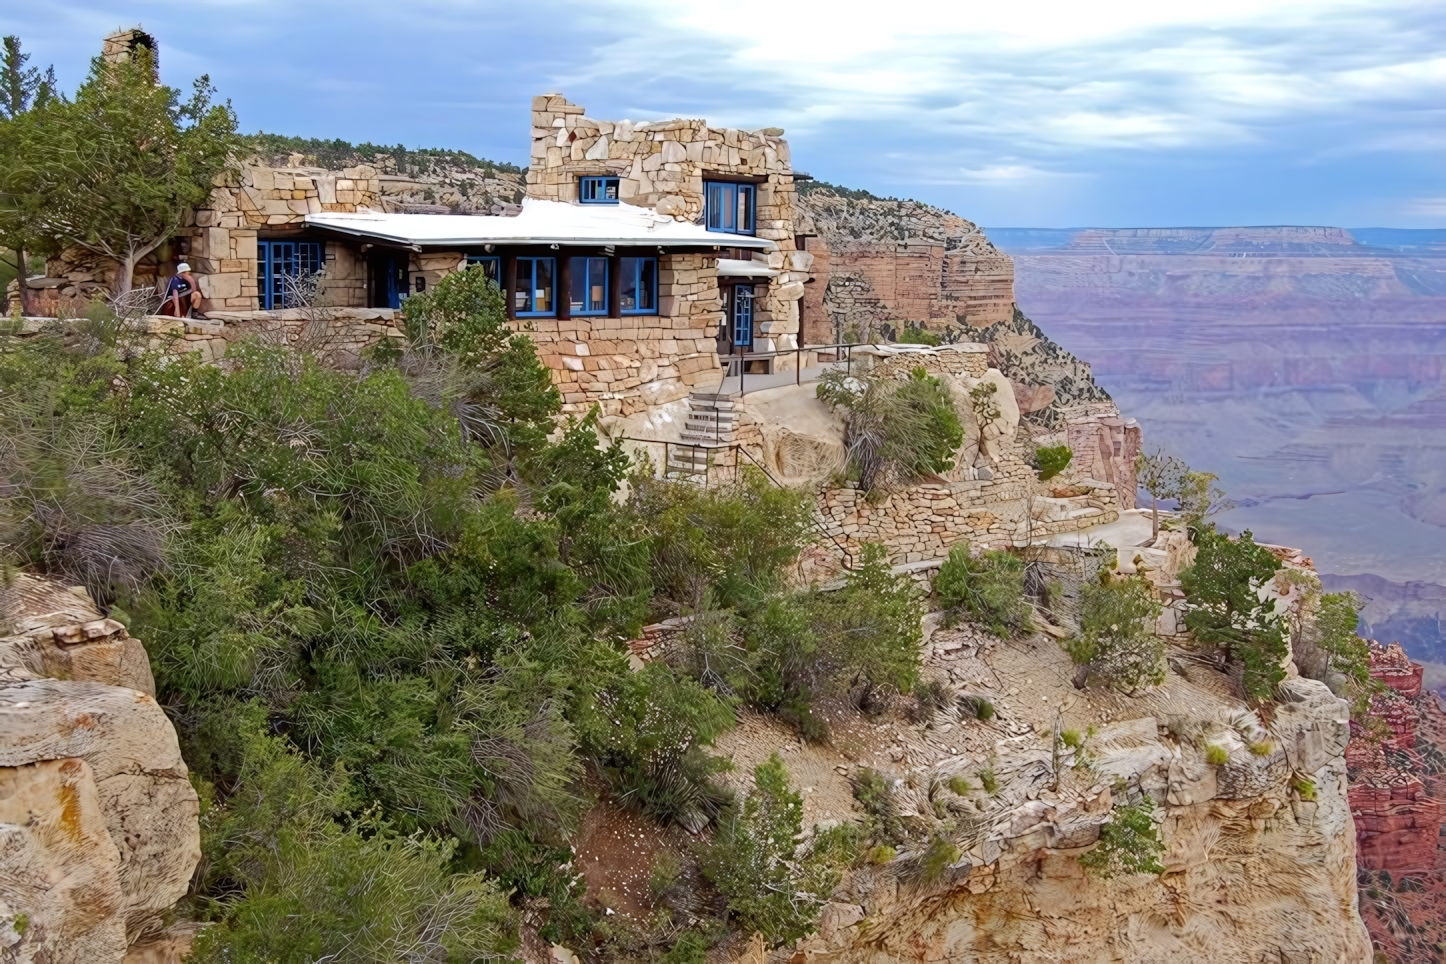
pixel 598 190
pixel 731 207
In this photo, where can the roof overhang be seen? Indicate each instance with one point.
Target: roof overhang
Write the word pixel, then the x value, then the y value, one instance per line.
pixel 736 268
pixel 541 222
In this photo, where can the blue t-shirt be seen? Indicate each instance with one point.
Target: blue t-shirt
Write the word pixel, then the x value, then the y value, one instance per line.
pixel 178 286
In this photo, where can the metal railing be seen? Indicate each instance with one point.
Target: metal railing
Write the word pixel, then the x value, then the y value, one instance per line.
pixel 736 365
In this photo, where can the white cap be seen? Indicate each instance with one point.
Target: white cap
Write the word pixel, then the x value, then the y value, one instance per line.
pixel 182 267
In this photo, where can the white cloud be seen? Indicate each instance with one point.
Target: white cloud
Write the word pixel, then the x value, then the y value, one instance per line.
pixel 1427 207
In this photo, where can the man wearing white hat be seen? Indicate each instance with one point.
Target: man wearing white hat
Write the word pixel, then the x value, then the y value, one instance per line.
pixel 182 295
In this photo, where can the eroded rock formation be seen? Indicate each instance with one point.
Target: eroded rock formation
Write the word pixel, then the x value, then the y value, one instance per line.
pixel 98 820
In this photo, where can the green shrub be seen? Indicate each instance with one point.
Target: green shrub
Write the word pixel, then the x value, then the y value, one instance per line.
pixel 870 629
pixel 881 815
pixel 304 882
pixel 1073 739
pixel 1216 755
pixel 977 707
pixel 1305 787
pixel 881 854
pixel 918 335
pixel 1052 460
pixel 1129 843
pixel 1260 747
pixel 960 786
pixel 989 589
pixel 895 430
pixel 1222 588
pixel 988 781
pixel 1116 640
pixel 935 860
pixel 752 861
pixel 733 541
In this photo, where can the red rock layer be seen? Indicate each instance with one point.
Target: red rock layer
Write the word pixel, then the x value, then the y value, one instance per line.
pixel 1398 823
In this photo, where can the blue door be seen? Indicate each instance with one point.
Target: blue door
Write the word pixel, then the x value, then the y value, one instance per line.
pixel 742 319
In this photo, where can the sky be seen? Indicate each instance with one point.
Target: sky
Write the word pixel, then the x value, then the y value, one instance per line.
pixel 1111 113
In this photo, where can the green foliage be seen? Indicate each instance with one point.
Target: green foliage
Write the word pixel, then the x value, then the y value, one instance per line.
pixel 881 815
pixel 313 884
pixel 933 862
pixel 917 335
pixel 1260 747
pixel 870 629
pixel 1116 640
pixel 1161 475
pixel 1129 844
pixel 337 153
pixel 1222 588
pixel 989 781
pixel 731 540
pixel 1052 460
pixel 881 854
pixel 1336 619
pixel 753 861
pixel 988 589
pixel 896 430
pixel 117 169
pixel 1216 755
pixel 1305 787
pixel 22 87
pixel 959 785
pixel 978 707
pixel 1073 739
pixel 652 739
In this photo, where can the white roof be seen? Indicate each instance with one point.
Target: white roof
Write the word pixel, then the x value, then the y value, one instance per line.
pixel 733 268
pixel 541 222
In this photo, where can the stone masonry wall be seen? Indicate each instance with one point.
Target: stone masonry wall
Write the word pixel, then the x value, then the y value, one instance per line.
pixel 662 166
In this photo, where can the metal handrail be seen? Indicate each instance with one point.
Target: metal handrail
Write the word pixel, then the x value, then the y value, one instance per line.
pixel 797 352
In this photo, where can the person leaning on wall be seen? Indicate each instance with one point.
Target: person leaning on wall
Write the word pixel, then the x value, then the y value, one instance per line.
pixel 183 296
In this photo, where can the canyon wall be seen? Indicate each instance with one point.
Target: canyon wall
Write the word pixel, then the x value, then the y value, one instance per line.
pixel 98 820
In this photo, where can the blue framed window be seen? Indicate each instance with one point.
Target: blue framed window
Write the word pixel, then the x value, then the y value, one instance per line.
pixel 491 266
pixel 730 207
pixel 597 190
pixel 534 289
pixel 276 261
pixel 740 316
pixel 638 286
pixel 588 278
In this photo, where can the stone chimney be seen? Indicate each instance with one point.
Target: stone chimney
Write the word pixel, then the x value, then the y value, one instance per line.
pixel 121 45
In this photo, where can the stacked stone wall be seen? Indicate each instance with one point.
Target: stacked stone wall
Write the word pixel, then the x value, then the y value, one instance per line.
pixel 662 166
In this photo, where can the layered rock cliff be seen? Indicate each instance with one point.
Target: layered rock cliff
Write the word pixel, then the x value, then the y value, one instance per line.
pixel 98 821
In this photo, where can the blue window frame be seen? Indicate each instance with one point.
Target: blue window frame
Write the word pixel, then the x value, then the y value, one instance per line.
pixel 534 291
pixel 491 266
pixel 278 260
pixel 731 207
pixel 740 316
pixel 597 190
pixel 588 278
pixel 638 286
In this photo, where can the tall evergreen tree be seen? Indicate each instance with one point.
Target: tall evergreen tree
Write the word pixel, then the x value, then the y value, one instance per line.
pixel 21 89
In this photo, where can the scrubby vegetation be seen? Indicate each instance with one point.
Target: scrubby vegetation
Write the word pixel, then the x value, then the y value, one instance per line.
pixel 895 430
pixel 988 589
pixel 1129 844
pixel 1050 460
pixel 1226 609
pixel 1116 640
pixel 386 611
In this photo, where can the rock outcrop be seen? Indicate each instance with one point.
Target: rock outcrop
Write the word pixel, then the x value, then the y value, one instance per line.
pixel 98 820
pixel 1260 849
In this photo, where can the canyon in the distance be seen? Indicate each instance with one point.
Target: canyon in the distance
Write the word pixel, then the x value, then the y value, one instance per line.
pixel 1302 365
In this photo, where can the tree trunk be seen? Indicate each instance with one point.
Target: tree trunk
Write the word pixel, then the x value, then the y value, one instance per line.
pixel 127 273
pixel 1154 518
pixel 22 270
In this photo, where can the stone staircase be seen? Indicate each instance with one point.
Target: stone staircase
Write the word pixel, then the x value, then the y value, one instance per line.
pixel 710 426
